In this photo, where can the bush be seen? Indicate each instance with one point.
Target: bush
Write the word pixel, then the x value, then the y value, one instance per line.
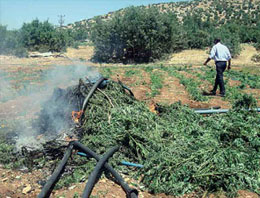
pixel 10 43
pixel 137 35
pixel 42 36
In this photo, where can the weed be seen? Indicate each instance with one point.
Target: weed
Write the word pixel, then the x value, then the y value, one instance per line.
pixel 129 73
pixel 107 72
pixel 156 83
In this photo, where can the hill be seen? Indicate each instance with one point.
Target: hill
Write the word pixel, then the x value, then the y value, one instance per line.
pixel 221 11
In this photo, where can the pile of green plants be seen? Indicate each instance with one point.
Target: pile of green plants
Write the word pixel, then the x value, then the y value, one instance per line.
pixel 181 151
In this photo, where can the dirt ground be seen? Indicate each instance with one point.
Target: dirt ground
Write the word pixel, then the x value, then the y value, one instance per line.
pixel 20 183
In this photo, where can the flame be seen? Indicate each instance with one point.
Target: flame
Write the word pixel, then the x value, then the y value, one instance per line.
pixel 76 115
pixel 152 106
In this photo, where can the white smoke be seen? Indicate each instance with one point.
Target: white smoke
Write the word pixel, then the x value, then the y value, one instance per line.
pixel 57 77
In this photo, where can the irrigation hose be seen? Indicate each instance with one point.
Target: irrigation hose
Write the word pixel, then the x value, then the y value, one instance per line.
pixel 94 176
pixel 48 187
pixel 127 88
pixel 95 86
pixel 131 193
pixel 211 111
pixel 125 163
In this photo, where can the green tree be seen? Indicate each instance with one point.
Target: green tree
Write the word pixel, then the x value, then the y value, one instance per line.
pixel 137 35
pixel 10 43
pixel 43 36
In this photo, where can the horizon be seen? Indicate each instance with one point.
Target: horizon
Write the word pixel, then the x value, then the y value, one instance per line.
pixel 14 13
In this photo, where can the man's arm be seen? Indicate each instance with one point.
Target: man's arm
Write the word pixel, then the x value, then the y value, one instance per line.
pixel 212 55
pixel 208 59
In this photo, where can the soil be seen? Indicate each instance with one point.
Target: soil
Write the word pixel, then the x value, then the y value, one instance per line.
pixel 21 183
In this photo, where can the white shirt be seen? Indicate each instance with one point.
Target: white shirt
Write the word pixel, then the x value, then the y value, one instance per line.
pixel 220 52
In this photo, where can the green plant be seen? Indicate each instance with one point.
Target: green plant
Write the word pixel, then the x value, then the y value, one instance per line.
pixel 191 85
pixel 131 72
pixel 156 83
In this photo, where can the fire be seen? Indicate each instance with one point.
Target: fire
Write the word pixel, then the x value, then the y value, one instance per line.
pixel 76 115
pixel 152 107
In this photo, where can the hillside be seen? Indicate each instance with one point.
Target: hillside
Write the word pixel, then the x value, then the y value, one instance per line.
pixel 220 11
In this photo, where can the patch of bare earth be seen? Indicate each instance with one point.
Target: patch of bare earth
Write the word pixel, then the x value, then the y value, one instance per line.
pixel 172 92
pixel 139 84
pixel 214 101
pixel 20 184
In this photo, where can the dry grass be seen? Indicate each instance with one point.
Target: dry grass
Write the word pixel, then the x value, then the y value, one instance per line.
pixel 198 57
pixel 83 53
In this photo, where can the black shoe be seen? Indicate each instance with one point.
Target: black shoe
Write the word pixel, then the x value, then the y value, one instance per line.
pixel 212 92
pixel 222 95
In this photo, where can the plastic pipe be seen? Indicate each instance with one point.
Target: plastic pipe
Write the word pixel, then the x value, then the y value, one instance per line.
pixel 82 154
pixel 94 176
pixel 123 162
pixel 48 187
pixel 130 193
pixel 132 164
pixel 95 86
pixel 128 89
pixel 211 111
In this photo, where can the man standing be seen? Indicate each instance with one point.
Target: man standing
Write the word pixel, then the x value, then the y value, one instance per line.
pixel 221 54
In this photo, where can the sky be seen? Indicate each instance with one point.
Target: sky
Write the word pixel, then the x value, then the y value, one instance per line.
pixel 13 13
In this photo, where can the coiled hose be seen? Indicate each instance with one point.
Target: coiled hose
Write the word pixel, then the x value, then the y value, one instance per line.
pixel 94 176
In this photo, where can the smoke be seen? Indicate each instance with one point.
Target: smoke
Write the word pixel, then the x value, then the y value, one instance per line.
pixel 6 90
pixel 55 80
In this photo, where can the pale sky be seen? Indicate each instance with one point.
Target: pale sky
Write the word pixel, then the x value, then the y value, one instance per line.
pixel 13 13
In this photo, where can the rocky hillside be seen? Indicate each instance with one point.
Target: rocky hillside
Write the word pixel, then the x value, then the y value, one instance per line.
pixel 247 11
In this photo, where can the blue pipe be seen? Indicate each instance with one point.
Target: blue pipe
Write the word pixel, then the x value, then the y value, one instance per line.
pixel 211 111
pixel 82 154
pixel 132 164
pixel 123 162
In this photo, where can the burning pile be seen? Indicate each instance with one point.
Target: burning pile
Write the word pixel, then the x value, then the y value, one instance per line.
pixel 181 151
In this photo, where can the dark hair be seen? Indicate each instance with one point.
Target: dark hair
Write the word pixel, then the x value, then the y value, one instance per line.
pixel 216 40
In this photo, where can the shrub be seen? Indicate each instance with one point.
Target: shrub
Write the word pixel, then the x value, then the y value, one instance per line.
pixel 137 35
pixel 10 43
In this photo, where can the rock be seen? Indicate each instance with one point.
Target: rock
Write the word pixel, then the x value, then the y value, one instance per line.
pixel 27 189
pixel 72 187
pixel 5 179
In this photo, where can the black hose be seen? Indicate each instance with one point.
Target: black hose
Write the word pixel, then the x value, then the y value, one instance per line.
pixel 131 193
pixel 127 88
pixel 95 86
pixel 48 187
pixel 94 176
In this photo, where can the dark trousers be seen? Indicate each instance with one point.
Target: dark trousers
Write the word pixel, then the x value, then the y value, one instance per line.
pixel 220 68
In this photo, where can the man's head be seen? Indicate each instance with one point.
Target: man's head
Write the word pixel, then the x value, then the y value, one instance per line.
pixel 216 40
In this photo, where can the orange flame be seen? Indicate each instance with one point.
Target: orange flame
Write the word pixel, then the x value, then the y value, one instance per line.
pixel 152 108
pixel 76 115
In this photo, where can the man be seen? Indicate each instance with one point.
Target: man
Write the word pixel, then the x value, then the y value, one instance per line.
pixel 221 54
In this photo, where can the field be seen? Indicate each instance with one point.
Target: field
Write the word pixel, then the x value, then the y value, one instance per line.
pixel 181 78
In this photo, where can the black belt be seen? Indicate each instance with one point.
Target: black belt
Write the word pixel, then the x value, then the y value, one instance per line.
pixel 220 61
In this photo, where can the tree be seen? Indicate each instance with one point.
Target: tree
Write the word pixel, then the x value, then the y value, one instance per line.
pixel 137 35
